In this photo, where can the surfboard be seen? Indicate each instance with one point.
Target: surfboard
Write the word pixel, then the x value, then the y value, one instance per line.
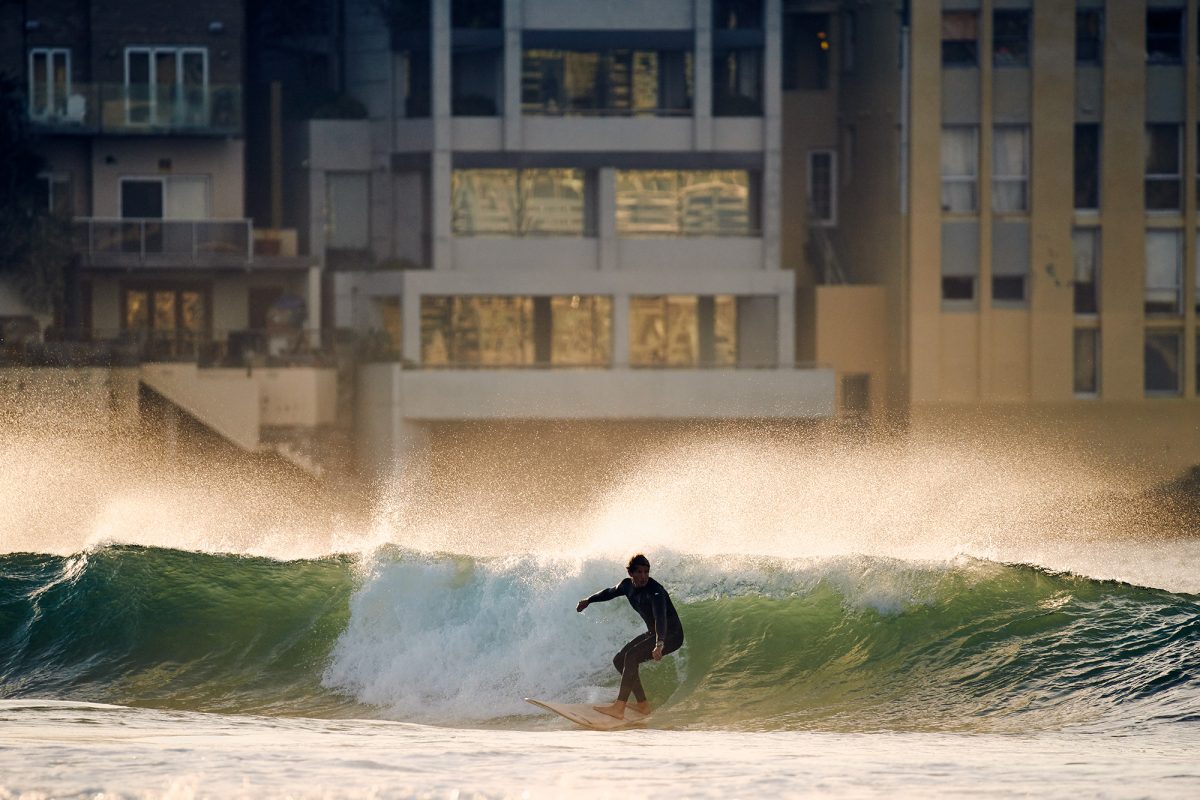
pixel 583 714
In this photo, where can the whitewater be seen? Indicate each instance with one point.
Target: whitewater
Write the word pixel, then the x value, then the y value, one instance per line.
pixel 875 621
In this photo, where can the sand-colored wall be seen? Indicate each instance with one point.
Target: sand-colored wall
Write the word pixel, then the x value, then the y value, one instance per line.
pixel 851 335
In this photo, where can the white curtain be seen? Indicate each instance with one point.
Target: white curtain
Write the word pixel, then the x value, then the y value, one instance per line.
pixel 1164 262
pixel 960 169
pixel 1086 244
pixel 1010 169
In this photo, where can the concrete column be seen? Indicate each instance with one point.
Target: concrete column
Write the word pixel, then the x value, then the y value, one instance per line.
pixel 410 320
pixel 607 245
pixel 620 330
pixel 702 121
pixel 441 160
pixel 513 15
pixel 772 192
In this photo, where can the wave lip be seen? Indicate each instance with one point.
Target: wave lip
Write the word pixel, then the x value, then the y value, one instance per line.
pixel 843 643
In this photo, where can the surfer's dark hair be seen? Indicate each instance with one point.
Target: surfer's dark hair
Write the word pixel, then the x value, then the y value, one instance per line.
pixel 638 561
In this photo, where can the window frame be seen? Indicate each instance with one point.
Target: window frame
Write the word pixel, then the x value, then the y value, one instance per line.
pixel 1098 165
pixel 1177 288
pixel 1180 37
pixel 1178 334
pixel 831 220
pixel 1021 59
pixel 1164 177
pixel 152 51
pixel 973 61
pixel 1098 59
pixel 971 179
pixel 1094 231
pixel 1014 178
pixel 49 53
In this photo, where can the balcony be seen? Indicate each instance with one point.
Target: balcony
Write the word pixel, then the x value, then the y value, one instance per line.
pixel 131 243
pixel 130 110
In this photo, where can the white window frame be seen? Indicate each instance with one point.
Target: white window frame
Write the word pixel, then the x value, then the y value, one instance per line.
pixel 49 53
pixel 831 220
pixel 1014 178
pixel 1177 286
pixel 1176 176
pixel 971 179
pixel 151 51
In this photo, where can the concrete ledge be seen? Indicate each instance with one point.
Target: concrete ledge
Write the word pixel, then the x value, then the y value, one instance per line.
pixel 575 394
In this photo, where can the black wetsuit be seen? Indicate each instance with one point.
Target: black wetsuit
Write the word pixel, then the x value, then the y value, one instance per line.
pixel 653 605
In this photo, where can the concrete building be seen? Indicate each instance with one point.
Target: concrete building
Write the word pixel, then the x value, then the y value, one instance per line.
pixel 562 210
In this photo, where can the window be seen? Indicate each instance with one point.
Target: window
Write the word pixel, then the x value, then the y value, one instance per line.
pixel 1087 362
pixel 1010 38
pixel 737 83
pixel 960 169
pixel 1010 169
pixel 1164 272
pixel 1087 167
pixel 1008 289
pixel 737 14
pixel 477 14
pixel 822 187
pixel 55 193
pixel 1089 36
pixel 958 287
pixel 49 82
pixel 1085 242
pixel 1163 363
pixel 1164 36
pixel 1164 167
pixel 166 86
pixel 418 77
pixel 175 197
pixel 476 78
pixel 960 39
pixel 683 331
pixel 686 203
pixel 527 202
pixel 806 52
pixel 489 330
pixel 611 82
pixel 347 210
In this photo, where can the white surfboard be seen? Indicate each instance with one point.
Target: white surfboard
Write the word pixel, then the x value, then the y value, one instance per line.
pixel 585 715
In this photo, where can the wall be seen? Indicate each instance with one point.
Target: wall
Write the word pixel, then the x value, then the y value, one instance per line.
pixel 220 159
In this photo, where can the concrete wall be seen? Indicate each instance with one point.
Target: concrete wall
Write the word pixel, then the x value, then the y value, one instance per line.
pixel 221 160
pixel 851 336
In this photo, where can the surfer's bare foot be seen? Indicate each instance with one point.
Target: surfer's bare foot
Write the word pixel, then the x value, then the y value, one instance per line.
pixel 642 707
pixel 617 709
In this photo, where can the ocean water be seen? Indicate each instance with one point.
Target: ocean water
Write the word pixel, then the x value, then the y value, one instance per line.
pixel 851 631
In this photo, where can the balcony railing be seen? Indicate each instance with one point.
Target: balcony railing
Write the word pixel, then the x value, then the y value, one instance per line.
pixel 131 109
pixel 116 242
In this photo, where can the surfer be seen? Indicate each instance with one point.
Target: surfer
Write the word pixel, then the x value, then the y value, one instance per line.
pixel 664 633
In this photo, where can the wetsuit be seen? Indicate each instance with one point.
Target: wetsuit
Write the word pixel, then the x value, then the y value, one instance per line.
pixel 653 605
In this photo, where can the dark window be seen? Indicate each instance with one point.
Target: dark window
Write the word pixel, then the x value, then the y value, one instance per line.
pixel 1089 36
pixel 806 51
pixel 1164 168
pixel 1087 166
pixel 1085 242
pixel 737 14
pixel 960 39
pixel 1164 36
pixel 142 199
pixel 476 79
pixel 478 14
pixel 1162 362
pixel 1008 288
pixel 958 287
pixel 417 83
pixel 1010 38
pixel 737 83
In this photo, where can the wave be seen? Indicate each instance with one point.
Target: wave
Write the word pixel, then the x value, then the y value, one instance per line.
pixel 846 642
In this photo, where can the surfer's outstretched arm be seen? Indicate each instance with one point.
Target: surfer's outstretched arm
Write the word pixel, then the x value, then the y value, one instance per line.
pixel 604 595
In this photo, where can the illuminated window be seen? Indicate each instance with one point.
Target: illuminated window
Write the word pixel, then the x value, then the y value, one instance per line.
pixel 685 203
pixel 606 82
pixel 683 331
pixel 510 202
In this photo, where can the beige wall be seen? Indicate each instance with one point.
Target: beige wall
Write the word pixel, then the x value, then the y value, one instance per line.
pixel 83 399
pixel 220 159
pixel 851 333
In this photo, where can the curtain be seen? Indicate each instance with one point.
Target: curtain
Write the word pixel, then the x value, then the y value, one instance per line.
pixel 1010 169
pixel 959 169
pixel 1164 260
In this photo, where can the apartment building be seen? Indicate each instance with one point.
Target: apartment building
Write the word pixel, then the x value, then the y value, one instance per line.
pixel 139 112
pixel 563 210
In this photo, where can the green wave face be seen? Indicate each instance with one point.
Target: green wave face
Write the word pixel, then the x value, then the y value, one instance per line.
pixel 845 644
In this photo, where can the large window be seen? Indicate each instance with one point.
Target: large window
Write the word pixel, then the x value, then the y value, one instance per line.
pixel 822 187
pixel 612 82
pixel 960 169
pixel 49 82
pixel 1010 38
pixel 806 51
pixel 686 203
pixel 1164 272
pixel 1087 362
pixel 683 331
pixel 960 39
pixel 1164 36
pixel 1164 168
pixel 55 193
pixel 1163 363
pixel 1089 36
pixel 1087 167
pixel 1010 169
pixel 483 330
pixel 737 14
pixel 737 83
pixel 527 202
pixel 166 86
pixel 1086 245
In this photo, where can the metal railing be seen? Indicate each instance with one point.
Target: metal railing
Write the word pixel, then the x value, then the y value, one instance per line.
pixel 124 242
pixel 133 109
